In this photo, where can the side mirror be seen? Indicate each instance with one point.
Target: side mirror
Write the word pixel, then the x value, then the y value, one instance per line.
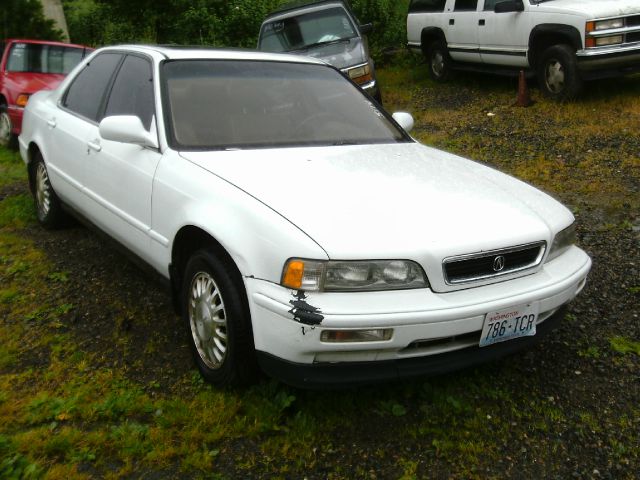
pixel 366 29
pixel 509 6
pixel 405 120
pixel 126 129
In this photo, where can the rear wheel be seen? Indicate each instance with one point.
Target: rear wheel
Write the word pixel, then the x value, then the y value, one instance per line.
pixel 218 322
pixel 558 73
pixel 439 61
pixel 48 206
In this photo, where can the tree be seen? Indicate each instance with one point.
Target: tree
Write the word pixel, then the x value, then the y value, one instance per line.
pixel 25 19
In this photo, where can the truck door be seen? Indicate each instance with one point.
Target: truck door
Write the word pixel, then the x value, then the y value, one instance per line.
pixel 461 30
pixel 503 37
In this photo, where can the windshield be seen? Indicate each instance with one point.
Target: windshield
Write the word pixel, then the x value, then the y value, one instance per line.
pixel 305 31
pixel 42 58
pixel 228 104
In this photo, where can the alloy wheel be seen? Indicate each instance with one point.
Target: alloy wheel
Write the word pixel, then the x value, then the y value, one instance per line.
pixel 43 191
pixel 208 320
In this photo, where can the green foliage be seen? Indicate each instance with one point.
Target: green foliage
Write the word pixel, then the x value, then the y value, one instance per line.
pixel 25 19
pixel 624 345
pixel 17 211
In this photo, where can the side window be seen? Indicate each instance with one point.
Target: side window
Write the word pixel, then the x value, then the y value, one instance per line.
pixel 132 92
pixel 87 91
pixel 465 5
pixel 490 5
pixel 417 6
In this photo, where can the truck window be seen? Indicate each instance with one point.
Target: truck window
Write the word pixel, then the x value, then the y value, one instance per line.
pixel 465 5
pixel 417 6
pixel 43 58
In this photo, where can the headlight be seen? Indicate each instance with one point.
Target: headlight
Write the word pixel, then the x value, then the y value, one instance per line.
pixel 361 74
pixel 563 240
pixel 351 276
pixel 608 24
pixel 614 40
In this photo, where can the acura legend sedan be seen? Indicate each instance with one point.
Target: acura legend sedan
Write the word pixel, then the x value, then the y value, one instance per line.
pixel 301 230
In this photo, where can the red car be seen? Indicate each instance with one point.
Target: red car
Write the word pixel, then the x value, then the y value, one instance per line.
pixel 26 67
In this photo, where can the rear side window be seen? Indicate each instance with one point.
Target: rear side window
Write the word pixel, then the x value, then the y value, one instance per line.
pixel 87 91
pixel 417 6
pixel 466 5
pixel 43 58
pixel 132 92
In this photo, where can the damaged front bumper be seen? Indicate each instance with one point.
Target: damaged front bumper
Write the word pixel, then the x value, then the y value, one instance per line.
pixel 430 332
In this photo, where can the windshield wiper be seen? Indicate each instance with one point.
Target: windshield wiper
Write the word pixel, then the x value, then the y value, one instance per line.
pixel 322 44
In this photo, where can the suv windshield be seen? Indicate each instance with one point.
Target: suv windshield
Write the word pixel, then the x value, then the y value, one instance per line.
pixel 42 58
pixel 307 31
pixel 227 104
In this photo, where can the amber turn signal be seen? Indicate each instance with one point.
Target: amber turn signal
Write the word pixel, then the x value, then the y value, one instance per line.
pixel 22 100
pixel 294 271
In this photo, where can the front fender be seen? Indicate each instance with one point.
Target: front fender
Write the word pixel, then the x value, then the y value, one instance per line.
pixel 257 238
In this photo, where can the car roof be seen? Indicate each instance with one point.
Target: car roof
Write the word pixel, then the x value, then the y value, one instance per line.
pixel 44 42
pixel 304 4
pixel 186 52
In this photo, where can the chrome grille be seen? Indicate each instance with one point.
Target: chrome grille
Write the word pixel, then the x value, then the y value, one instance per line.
pixel 495 263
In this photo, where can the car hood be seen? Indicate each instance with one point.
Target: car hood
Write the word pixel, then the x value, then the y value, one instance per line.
pixel 32 82
pixel 340 55
pixel 390 201
pixel 593 8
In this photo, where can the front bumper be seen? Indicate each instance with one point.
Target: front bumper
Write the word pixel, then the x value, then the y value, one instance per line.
pixel 609 62
pixel 15 114
pixel 347 375
pixel 424 323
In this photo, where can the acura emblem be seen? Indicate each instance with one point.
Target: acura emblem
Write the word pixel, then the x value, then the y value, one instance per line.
pixel 498 263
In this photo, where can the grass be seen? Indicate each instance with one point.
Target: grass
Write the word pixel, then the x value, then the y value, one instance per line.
pixel 66 413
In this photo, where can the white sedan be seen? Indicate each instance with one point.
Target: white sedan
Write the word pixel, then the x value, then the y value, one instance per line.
pixel 300 228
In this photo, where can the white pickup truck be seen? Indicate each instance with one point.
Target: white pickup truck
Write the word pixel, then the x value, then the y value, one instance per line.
pixel 563 42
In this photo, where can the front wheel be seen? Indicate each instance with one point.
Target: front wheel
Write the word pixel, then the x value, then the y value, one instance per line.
pixel 5 127
pixel 439 61
pixel 558 73
pixel 216 315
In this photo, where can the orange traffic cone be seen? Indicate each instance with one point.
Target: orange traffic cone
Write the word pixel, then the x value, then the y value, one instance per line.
pixel 524 99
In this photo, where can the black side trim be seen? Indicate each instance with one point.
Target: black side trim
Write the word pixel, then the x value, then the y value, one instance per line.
pixel 350 374
pixel 488 52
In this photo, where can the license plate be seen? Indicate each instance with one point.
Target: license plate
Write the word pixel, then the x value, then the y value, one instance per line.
pixel 510 323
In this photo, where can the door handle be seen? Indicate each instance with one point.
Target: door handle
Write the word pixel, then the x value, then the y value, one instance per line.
pixel 52 123
pixel 94 146
pixel 451 21
pixel 481 22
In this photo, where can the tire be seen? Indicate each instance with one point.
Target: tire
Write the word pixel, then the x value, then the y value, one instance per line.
pixel 218 322
pixel 48 207
pixel 558 73
pixel 6 137
pixel 439 61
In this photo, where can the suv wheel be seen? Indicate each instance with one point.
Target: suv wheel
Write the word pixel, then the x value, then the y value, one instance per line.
pixel 5 127
pixel 558 73
pixel 439 61
pixel 218 322
pixel 48 207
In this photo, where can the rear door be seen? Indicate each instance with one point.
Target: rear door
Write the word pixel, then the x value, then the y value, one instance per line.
pixel 461 30
pixel 70 122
